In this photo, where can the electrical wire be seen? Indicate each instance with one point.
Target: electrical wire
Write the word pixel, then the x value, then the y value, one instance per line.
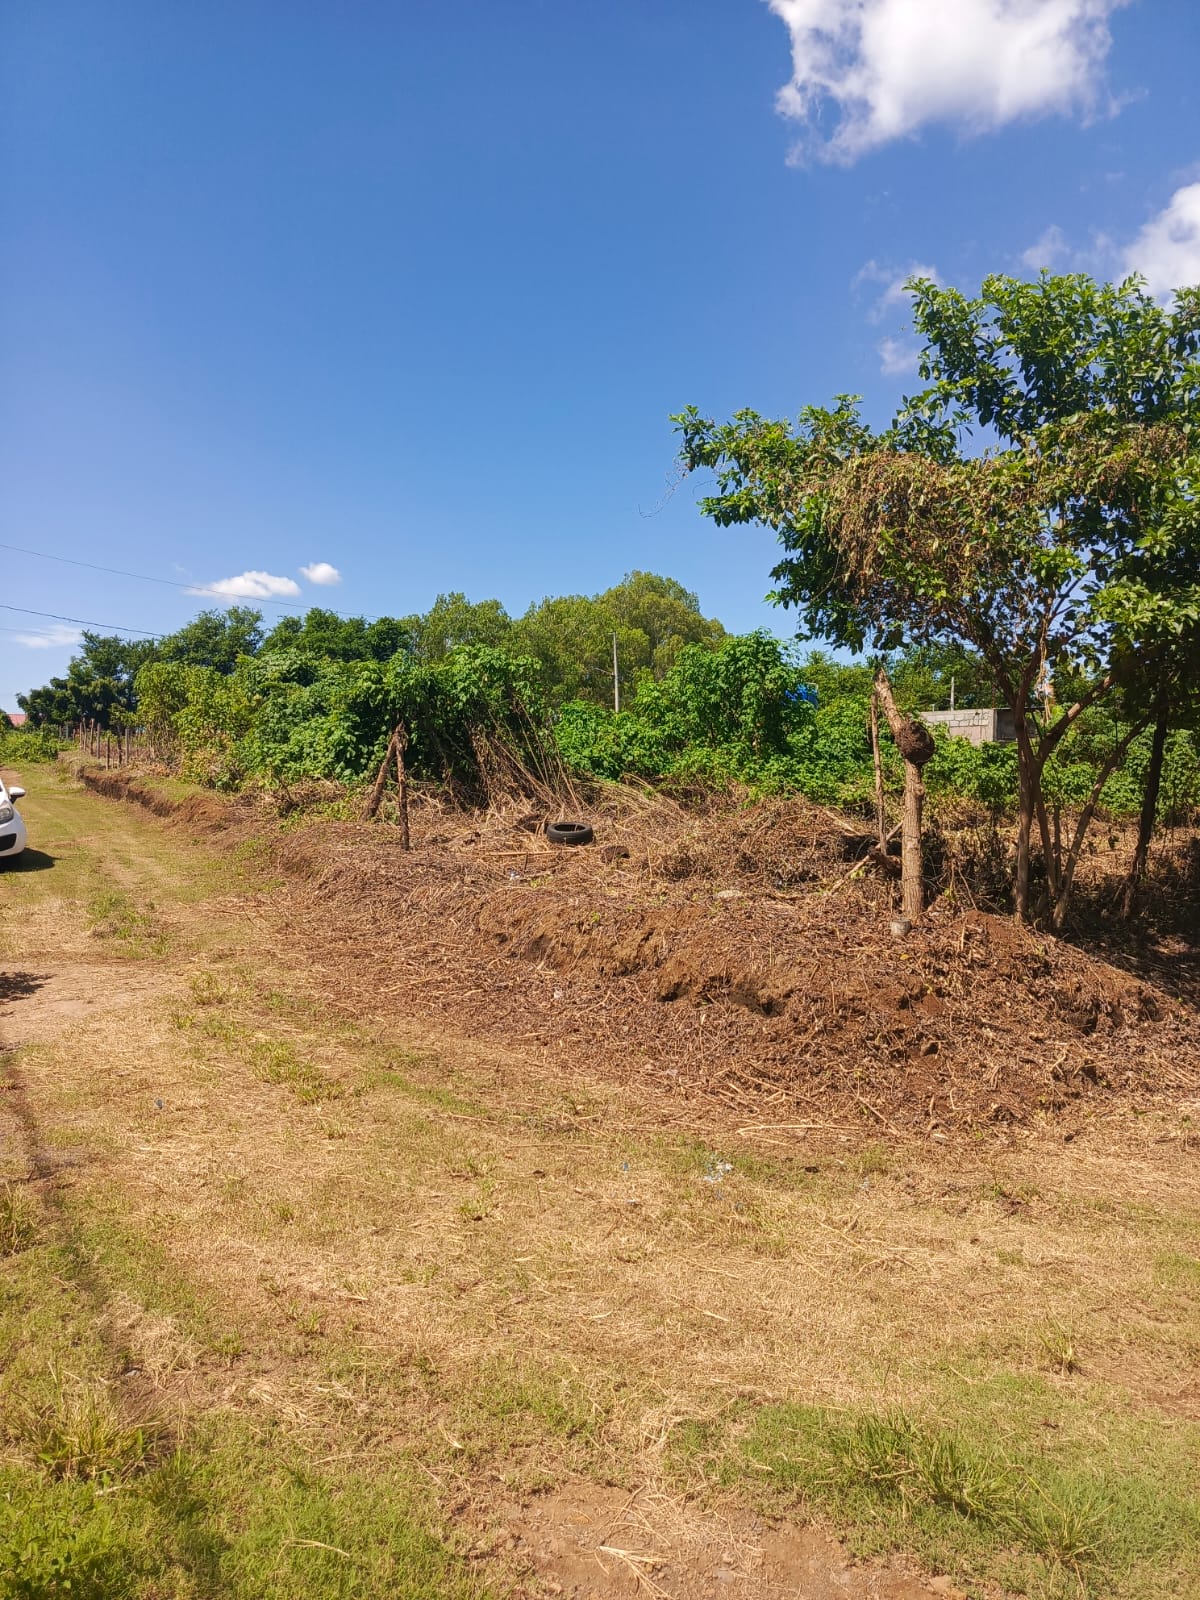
pixel 82 622
pixel 169 583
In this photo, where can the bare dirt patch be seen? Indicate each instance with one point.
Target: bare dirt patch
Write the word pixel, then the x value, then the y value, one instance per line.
pixel 593 1543
pixel 706 987
pixel 461 1198
pixel 733 960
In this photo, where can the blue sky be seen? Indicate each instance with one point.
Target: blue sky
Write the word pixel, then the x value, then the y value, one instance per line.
pixel 409 291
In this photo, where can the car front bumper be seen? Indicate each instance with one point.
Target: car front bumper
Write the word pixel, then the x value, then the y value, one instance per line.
pixel 12 838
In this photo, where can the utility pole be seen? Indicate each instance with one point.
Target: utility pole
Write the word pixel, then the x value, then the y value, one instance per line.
pixel 616 679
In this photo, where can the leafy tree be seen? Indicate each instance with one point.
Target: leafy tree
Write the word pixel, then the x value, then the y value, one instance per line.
pixel 651 617
pixel 326 635
pixel 666 614
pixel 1034 504
pixel 216 639
pixel 454 620
pixel 98 685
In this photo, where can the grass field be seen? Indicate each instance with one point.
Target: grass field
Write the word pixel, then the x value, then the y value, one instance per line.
pixel 302 1302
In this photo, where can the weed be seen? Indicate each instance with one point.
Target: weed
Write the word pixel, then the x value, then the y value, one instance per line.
pixel 18 1219
pixel 114 916
pixel 227 1347
pixel 1066 1524
pixel 276 1062
pixel 305 1322
pixel 1059 1345
pixel 207 989
pixel 952 1492
pixel 76 1431
pixel 480 1206
pixel 873 1161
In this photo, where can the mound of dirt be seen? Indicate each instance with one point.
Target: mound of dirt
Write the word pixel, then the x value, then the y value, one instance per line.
pixel 201 813
pixel 735 957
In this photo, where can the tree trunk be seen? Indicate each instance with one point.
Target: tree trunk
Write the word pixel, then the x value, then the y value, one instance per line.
pixel 1030 808
pixel 916 746
pixel 1148 813
pixel 1066 878
pixel 380 784
pixel 400 743
pixel 880 818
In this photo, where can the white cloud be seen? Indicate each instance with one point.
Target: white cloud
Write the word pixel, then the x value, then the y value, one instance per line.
pixel 891 66
pixel 898 357
pixel 321 572
pixel 1051 251
pixel 249 586
pixel 1167 251
pixel 1055 252
pixel 57 637
pixel 893 280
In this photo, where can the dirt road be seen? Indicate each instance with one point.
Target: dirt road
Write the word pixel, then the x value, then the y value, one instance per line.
pixel 421 1315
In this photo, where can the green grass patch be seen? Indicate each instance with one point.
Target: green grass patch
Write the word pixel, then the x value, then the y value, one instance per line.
pixel 114 916
pixel 275 1061
pixel 1015 1485
pixel 18 1219
pixel 429 1094
pixel 235 1513
pixel 1175 1270
pixel 114 1255
pixel 101 1501
pixel 513 1406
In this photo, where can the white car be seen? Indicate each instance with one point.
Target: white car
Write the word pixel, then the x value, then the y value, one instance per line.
pixel 12 829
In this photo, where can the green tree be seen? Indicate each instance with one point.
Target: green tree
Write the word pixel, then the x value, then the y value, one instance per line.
pixel 454 620
pixel 326 635
pixel 216 639
pixel 98 686
pixel 652 618
pixel 1034 504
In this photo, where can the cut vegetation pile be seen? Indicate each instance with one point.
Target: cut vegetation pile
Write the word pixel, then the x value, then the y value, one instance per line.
pixel 733 959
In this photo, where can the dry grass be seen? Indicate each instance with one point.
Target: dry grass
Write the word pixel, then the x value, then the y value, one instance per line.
pixel 388 1238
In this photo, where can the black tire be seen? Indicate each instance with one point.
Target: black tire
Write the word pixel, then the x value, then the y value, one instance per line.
pixel 569 833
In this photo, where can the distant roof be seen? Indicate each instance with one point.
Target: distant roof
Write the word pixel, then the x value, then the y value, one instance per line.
pixel 17 718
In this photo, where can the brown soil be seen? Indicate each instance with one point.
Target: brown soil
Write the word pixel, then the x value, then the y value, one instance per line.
pixel 729 961
pixel 593 1543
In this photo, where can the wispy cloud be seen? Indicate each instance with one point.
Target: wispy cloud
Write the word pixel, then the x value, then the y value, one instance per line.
pixel 250 586
pixel 898 357
pixel 1167 250
pixel 892 66
pixel 56 637
pixel 1055 253
pixel 899 352
pixel 893 279
pixel 321 572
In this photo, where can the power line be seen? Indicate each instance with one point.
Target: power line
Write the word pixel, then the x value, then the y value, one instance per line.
pixel 169 583
pixel 81 622
pixel 36 633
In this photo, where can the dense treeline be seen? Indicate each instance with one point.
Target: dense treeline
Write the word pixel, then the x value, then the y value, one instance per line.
pixel 317 697
pixel 568 637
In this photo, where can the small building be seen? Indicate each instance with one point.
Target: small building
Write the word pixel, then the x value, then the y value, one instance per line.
pixel 17 718
pixel 989 725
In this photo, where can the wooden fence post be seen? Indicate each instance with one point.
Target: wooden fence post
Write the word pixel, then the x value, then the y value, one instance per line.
pixel 400 740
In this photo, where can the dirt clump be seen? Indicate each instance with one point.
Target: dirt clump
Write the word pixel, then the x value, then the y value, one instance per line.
pixel 741 957
pixel 763 998
pixel 592 1543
